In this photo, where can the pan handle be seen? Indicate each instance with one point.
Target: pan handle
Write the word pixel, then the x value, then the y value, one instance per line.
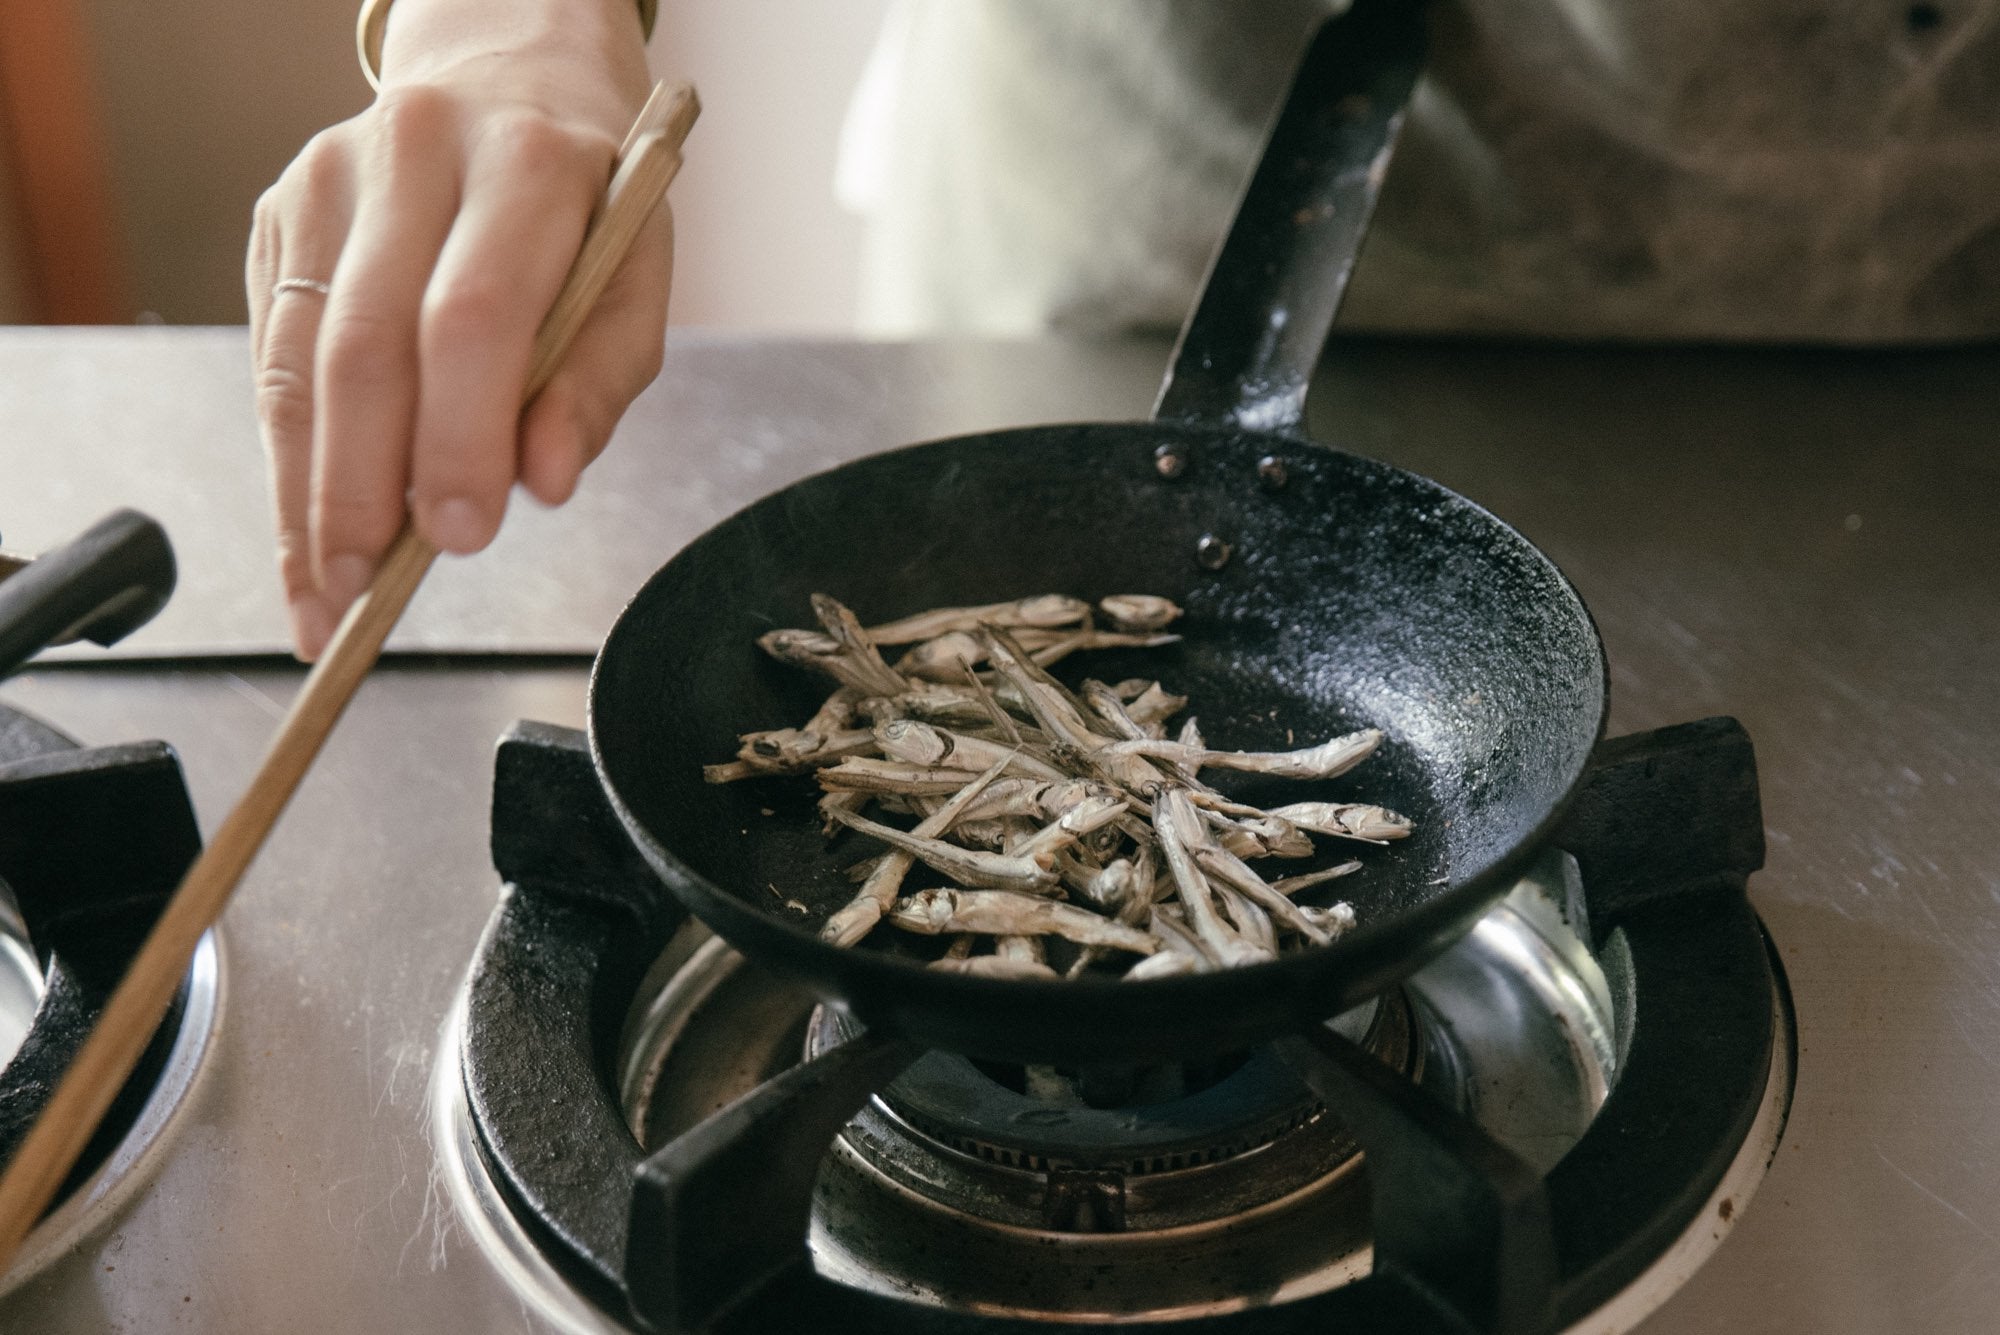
pixel 101 585
pixel 1250 345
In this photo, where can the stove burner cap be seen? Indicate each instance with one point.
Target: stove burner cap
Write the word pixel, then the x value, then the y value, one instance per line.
pixel 1140 1147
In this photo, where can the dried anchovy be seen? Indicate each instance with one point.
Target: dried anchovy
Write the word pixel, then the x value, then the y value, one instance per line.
pixel 1235 873
pixel 1030 793
pixel 1292 885
pixel 1049 609
pixel 1179 830
pixel 1346 820
pixel 859 916
pixel 1138 611
pixel 1164 964
pixel 1261 836
pixel 1328 760
pixel 995 966
pixel 1152 707
pixel 967 866
pixel 923 744
pixel 1004 913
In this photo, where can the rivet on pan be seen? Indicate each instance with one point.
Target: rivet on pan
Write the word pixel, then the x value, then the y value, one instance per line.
pixel 1212 553
pixel 1171 460
pixel 1271 472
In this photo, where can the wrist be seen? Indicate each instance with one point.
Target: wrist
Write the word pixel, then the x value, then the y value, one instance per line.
pixel 422 39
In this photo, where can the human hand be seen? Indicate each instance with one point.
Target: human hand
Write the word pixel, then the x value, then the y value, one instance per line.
pixel 442 221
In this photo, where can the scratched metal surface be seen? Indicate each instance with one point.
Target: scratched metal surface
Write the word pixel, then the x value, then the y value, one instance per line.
pixel 162 419
pixel 1801 540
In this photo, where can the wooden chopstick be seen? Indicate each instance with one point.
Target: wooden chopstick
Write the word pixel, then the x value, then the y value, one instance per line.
pixel 646 164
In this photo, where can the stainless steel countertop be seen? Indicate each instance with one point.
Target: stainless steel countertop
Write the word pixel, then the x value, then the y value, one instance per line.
pixel 161 419
pixel 1801 540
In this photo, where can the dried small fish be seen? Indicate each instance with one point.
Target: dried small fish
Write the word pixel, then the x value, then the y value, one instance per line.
pixel 1104 701
pixel 929 701
pixel 1049 609
pixel 1138 611
pixel 1028 948
pixel 967 866
pixel 1175 938
pixel 1325 761
pixel 1030 792
pixel 923 744
pixel 1233 872
pixel 1292 885
pixel 1093 813
pixel 1164 964
pixel 829 802
pixel 1047 650
pixel 1262 836
pixel 1036 799
pixel 798 647
pixel 995 966
pixel 1152 707
pixel 1346 820
pixel 794 754
pixel 859 915
pixel 865 774
pixel 989 704
pixel 1178 826
pixel 1004 913
pixel 1336 920
pixel 1251 922
pixel 1054 708
pixel 993 834
pixel 860 651
pixel 863 672
pixel 943 659
pixel 1190 737
pixel 1110 886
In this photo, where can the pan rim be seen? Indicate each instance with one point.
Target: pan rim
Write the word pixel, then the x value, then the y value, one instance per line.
pixel 1419 932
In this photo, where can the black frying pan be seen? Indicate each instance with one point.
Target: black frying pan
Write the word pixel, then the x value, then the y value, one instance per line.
pixel 1354 594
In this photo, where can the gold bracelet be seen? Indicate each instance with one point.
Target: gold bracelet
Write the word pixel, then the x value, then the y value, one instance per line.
pixel 373 24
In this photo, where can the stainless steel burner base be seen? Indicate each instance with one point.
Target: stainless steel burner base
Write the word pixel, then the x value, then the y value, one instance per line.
pixel 1523 1032
pixel 1519 1029
pixel 131 1165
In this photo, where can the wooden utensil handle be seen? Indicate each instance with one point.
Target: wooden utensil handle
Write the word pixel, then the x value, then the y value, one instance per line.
pixel 647 163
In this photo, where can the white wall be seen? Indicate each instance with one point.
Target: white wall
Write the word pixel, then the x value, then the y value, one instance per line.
pixel 760 242
pixel 206 100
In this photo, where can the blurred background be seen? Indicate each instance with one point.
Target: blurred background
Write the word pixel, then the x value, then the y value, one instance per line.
pixel 139 133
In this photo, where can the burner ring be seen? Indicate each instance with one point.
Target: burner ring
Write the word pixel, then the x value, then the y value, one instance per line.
pixel 962 1104
pixel 964 1135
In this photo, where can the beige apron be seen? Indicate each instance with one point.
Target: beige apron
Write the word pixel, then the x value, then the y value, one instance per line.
pixel 1816 170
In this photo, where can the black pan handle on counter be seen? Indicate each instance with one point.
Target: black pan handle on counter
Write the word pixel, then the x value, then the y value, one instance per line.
pixel 1250 345
pixel 100 586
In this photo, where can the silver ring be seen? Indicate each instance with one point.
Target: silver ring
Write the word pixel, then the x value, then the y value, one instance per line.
pixel 299 285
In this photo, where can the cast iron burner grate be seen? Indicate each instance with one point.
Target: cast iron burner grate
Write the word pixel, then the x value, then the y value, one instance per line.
pixel 709 1231
pixel 93 841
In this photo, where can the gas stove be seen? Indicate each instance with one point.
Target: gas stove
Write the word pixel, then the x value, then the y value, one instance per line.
pixel 453 1061
pixel 607 1149
pixel 1544 1125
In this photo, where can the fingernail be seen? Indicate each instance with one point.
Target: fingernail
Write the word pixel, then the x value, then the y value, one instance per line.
pixel 456 525
pixel 312 627
pixel 346 579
